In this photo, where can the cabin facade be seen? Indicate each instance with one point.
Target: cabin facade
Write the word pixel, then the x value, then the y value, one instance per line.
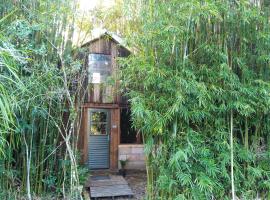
pixel 106 134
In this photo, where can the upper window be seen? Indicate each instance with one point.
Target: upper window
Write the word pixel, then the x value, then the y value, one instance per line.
pixel 99 68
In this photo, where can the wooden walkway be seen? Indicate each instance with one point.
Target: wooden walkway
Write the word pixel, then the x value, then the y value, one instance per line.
pixel 108 186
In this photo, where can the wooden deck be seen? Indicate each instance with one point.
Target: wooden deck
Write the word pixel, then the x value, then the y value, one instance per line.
pixel 108 186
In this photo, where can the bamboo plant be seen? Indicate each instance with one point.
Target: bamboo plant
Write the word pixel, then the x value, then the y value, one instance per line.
pixel 198 83
pixel 40 114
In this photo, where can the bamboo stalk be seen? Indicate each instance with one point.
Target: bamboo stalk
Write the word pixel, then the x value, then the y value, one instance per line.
pixel 246 133
pixel 232 157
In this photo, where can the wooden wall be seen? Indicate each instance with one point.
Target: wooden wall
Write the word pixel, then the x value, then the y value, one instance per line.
pixel 83 137
pixel 98 93
pixel 115 137
pixel 96 100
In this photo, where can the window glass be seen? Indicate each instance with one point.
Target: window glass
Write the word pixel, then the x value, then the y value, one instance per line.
pixel 98 129
pixel 99 116
pixel 99 68
pixel 99 122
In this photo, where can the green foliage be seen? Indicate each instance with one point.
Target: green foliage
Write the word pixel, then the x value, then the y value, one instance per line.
pixel 194 63
pixel 38 143
pixel 123 163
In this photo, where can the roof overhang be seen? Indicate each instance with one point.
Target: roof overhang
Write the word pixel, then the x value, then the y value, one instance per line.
pixel 112 36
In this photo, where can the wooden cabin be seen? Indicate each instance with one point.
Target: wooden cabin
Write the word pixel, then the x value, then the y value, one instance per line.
pixel 106 134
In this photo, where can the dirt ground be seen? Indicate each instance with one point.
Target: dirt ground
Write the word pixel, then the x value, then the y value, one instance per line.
pixel 137 182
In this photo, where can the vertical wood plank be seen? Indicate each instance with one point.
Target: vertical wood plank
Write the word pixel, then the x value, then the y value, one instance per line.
pixel 114 52
pixel 101 45
pixel 96 93
pixel 107 96
pixel 112 140
pixel 115 127
pixel 118 136
pixel 83 137
pixel 85 141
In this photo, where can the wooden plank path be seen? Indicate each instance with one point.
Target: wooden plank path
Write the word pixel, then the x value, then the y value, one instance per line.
pixel 108 186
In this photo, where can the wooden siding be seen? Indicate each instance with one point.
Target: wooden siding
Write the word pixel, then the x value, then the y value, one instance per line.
pixel 99 93
pixel 102 46
pixel 95 98
pixel 83 137
pixel 115 137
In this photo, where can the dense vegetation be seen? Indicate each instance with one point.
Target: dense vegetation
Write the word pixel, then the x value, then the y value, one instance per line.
pixel 200 94
pixel 38 140
pixel 198 84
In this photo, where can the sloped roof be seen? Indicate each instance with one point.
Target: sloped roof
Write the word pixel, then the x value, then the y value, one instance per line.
pixel 114 37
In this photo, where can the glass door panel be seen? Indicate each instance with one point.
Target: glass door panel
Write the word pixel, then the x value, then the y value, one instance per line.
pixel 99 122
